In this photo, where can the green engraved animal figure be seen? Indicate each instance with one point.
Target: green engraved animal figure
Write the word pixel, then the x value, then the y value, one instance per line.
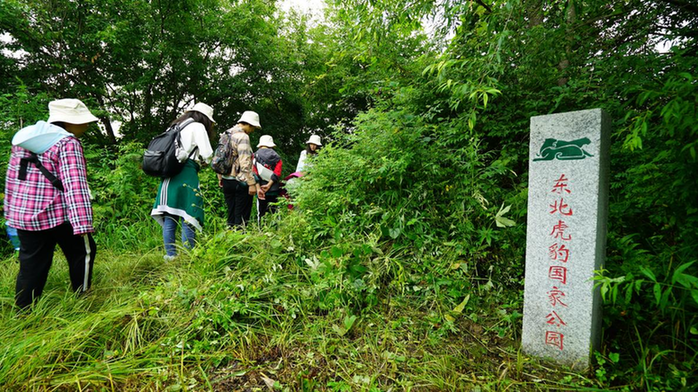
pixel 563 150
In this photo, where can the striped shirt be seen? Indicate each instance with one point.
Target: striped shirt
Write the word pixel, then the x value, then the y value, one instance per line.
pixel 242 168
pixel 34 204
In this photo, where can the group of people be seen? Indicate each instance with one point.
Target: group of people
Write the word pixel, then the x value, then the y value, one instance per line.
pixel 48 202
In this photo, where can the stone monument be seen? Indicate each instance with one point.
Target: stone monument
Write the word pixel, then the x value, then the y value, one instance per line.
pixel 566 235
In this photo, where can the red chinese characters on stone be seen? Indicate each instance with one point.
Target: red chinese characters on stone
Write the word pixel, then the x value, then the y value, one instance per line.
pixel 557 272
pixel 554 319
pixel 554 339
pixel 555 296
pixel 559 231
pixel 561 207
pixel 559 252
pixel 561 185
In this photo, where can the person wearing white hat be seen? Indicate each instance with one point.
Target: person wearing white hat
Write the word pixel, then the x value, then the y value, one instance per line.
pixel 267 171
pixel 47 199
pixel 312 147
pixel 179 198
pixel 239 186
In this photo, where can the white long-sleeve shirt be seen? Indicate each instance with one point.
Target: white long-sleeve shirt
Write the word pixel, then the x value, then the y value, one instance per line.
pixel 194 135
pixel 301 161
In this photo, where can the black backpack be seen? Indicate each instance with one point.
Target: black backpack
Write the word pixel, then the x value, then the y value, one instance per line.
pixel 160 159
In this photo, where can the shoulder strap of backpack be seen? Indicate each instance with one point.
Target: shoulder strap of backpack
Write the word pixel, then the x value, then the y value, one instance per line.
pixel 184 123
pixel 234 144
pixel 33 158
pixel 181 126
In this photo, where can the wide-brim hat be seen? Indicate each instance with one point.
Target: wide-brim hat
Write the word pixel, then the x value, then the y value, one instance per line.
pixel 314 139
pixel 203 109
pixel 266 141
pixel 69 110
pixel 251 118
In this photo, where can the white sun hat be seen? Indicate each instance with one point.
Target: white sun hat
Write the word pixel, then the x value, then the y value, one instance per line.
pixel 69 110
pixel 314 139
pixel 203 109
pixel 266 141
pixel 251 118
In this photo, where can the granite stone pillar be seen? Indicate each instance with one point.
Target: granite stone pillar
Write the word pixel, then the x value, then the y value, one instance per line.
pixel 566 235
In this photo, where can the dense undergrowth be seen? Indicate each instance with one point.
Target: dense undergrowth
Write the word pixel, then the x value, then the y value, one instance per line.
pixel 246 310
pixel 391 273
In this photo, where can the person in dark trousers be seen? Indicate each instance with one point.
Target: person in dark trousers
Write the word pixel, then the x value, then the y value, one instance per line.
pixel 47 199
pixel 267 171
pixel 240 186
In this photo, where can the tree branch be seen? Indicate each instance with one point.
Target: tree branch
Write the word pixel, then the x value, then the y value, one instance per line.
pixel 485 6
pixel 687 6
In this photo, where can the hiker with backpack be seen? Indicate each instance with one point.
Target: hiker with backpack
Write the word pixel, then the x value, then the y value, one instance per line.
pixel 267 171
pixel 179 200
pixel 47 199
pixel 237 179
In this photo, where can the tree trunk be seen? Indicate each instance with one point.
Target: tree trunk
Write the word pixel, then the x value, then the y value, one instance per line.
pixel 534 10
pixel 570 18
pixel 106 122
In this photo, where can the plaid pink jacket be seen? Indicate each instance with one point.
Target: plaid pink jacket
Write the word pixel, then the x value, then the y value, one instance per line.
pixel 35 204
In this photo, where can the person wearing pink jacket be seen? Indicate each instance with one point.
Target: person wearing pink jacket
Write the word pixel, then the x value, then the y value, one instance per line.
pixel 47 199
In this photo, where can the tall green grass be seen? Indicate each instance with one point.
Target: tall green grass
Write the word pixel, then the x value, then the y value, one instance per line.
pixel 377 280
pixel 244 310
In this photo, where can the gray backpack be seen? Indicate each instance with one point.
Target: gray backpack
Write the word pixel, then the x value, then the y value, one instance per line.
pixel 226 154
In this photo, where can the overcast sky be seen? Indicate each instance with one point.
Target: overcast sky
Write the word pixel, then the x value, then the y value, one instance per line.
pixel 305 6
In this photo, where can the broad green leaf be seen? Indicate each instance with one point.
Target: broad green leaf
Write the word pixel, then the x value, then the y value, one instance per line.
pixel 336 252
pixel 657 290
pixel 500 220
pixel 459 309
pixel 645 271
pixel 678 275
